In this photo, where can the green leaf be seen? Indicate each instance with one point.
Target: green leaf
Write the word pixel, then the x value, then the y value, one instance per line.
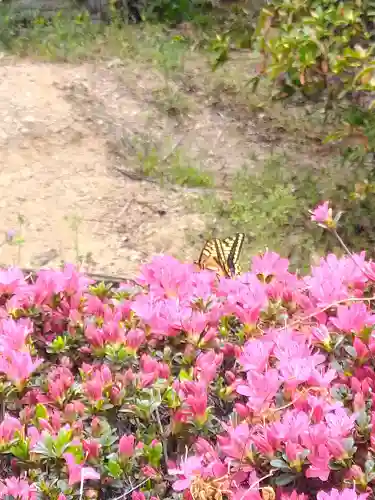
pixel 153 454
pixel 62 442
pixel 21 450
pixel 279 464
pixel 41 411
pixel 285 479
pixel 186 375
pixel 114 469
pixel 351 351
pixel 369 466
pixel 45 449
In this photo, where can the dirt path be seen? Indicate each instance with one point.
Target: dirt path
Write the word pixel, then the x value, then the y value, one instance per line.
pixel 58 166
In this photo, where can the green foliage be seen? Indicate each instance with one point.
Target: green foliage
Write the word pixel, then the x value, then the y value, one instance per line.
pixel 60 38
pixel 174 167
pixel 316 46
pixel 270 204
pixel 176 11
pixel 7 27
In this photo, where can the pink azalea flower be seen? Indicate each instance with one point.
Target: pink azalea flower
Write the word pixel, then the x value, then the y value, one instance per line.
pixel 8 428
pixel 293 496
pixel 74 281
pixel 94 335
pixel 77 472
pixel 345 494
pixel 295 425
pixel 14 333
pixel 17 488
pixel 91 448
pixel 361 349
pixel 263 444
pixel 247 494
pixel 339 423
pixel 327 290
pixel 126 446
pixel 245 298
pixel 319 460
pixel 207 365
pixel 269 265
pixel 188 470
pixel 256 354
pixel 322 213
pixel 237 441
pixel 165 275
pixel 138 495
pixel 18 365
pixel 321 335
pixel 260 388
pixel 321 378
pixel 97 382
pixel 134 339
pixel 10 280
pixel 163 316
pixel 353 318
pixel 194 394
pixel 60 380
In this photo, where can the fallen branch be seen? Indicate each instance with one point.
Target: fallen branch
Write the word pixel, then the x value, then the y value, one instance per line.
pixel 97 277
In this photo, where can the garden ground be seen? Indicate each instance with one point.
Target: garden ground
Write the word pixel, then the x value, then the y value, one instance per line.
pixel 107 160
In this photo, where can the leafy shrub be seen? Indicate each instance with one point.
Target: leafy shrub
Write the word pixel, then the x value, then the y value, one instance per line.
pixel 323 50
pixel 315 46
pixel 184 384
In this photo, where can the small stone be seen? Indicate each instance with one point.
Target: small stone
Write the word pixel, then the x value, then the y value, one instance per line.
pixel 44 258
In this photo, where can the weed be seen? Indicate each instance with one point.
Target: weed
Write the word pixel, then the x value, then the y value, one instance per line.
pixel 269 206
pixel 16 238
pixel 174 167
pixel 172 101
pixel 149 161
pixel 183 173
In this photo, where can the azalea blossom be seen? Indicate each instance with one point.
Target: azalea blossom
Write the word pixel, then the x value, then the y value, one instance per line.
pixel 17 488
pixel 189 468
pixel 322 213
pixel 345 494
pixel 77 472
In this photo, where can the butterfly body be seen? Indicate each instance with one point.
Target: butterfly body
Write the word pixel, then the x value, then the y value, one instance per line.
pixel 222 256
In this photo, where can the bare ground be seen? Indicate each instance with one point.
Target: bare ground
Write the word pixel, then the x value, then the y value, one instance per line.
pixel 69 142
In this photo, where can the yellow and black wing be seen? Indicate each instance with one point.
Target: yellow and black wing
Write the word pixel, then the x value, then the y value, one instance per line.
pixel 235 253
pixel 209 258
pixel 229 251
pixel 222 255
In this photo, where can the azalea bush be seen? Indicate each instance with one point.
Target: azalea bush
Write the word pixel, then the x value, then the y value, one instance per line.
pixel 186 385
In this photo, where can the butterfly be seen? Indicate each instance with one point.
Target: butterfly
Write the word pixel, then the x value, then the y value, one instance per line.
pixel 222 255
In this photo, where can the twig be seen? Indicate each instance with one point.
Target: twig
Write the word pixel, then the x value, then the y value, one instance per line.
pixel 260 480
pixel 97 277
pixel 125 207
pixel 135 177
pixel 342 243
pixel 173 149
pixel 333 304
pixel 131 490
pixel 164 443
pixel 81 485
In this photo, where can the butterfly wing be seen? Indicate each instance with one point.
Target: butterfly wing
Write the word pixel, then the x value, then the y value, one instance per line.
pixel 222 255
pixel 221 252
pixel 235 253
pixel 209 258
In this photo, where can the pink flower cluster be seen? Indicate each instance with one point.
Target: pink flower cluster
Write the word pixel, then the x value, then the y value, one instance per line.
pixel 186 380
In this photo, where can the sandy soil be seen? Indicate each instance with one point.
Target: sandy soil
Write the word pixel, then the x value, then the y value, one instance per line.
pixel 60 169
